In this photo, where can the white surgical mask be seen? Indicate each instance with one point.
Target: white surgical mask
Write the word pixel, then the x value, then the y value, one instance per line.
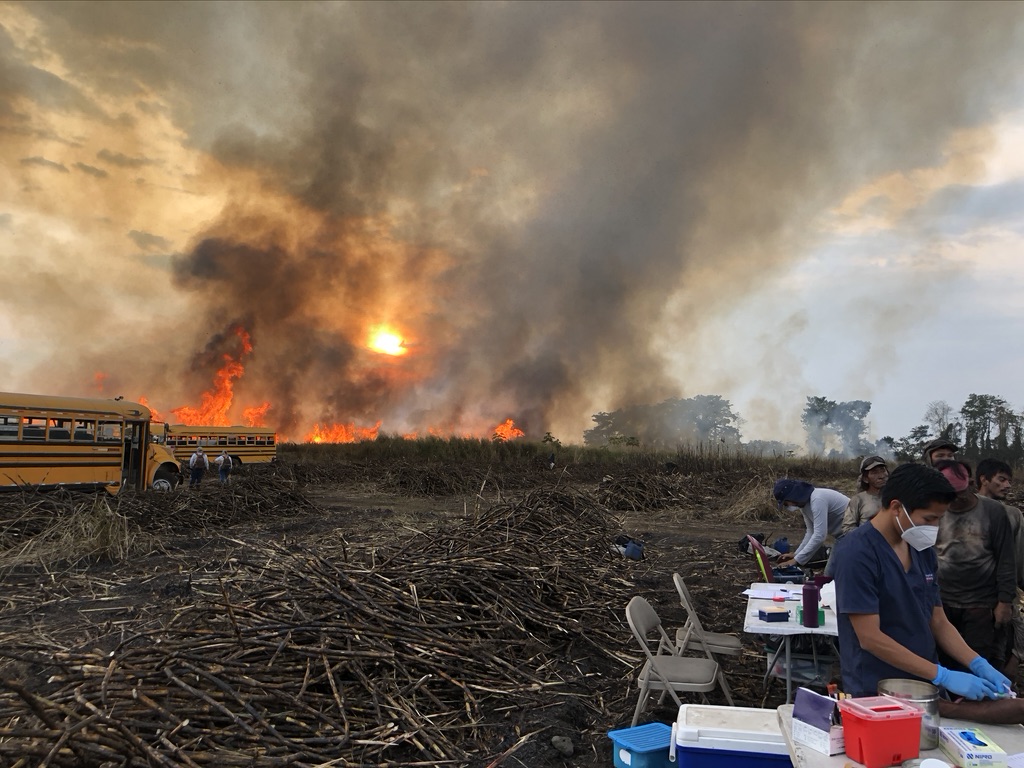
pixel 920 537
pixel 791 508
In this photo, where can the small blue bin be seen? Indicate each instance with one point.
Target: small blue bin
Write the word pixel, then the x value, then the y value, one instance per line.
pixel 642 746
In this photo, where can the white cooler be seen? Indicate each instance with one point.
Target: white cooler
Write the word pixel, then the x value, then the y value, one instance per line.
pixel 729 737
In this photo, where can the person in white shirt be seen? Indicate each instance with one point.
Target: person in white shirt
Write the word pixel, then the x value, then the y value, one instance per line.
pixel 198 463
pixel 822 509
pixel 223 463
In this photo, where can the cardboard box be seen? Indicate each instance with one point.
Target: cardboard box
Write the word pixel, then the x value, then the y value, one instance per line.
pixel 773 613
pixel 970 748
pixel 812 723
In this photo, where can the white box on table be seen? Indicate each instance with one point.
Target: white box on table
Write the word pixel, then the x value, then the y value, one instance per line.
pixel 812 723
pixel 970 748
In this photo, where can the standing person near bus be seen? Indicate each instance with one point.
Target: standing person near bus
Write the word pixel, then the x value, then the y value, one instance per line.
pixel 223 463
pixel 198 463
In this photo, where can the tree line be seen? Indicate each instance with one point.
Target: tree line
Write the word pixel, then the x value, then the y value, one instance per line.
pixel 984 426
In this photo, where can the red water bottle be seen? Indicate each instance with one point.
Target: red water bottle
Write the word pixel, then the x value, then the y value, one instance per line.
pixel 810 595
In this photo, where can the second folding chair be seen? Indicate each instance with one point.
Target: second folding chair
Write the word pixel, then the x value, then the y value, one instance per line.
pixel 693 636
pixel 663 670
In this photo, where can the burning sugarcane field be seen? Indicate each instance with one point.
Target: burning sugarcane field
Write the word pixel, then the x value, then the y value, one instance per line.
pixel 440 383
pixel 364 606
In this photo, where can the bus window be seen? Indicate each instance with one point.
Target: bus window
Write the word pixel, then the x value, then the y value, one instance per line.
pixel 250 440
pixel 85 431
pixel 192 440
pixel 59 430
pixel 109 432
pixel 261 441
pixel 33 428
pixel 222 440
pixel 232 440
pixel 270 440
pixel 9 426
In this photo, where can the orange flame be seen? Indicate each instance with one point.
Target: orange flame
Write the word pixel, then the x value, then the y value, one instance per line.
pixel 341 433
pixel 507 430
pixel 98 379
pixel 152 410
pixel 213 410
pixel 257 415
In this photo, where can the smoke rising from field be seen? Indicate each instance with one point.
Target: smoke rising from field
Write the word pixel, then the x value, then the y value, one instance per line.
pixel 539 198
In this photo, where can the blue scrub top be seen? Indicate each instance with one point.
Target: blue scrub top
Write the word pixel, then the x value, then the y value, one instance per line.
pixel 870 579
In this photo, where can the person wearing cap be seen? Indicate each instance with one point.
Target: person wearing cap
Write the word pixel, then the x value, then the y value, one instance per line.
pixel 977 567
pixel 223 463
pixel 939 449
pixel 890 609
pixel 822 509
pixel 198 464
pixel 865 505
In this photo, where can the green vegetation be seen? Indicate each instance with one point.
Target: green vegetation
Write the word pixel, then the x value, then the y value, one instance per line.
pixel 525 454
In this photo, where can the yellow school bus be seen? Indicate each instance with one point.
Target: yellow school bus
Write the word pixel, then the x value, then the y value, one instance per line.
pixel 80 443
pixel 245 445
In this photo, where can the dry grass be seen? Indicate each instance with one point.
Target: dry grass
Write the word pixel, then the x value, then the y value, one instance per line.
pixel 71 528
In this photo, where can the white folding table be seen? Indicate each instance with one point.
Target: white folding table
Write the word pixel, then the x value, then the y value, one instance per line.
pixel 785 629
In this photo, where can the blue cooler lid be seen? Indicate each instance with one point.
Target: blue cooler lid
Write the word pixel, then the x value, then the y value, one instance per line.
pixel 643 738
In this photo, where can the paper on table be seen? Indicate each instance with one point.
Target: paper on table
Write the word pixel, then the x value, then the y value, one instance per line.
pixel 770 593
pixel 1015 761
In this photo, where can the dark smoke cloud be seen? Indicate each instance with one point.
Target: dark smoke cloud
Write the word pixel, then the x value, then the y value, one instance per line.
pixel 523 188
pixel 44 163
pixel 92 170
pixel 123 161
pixel 147 241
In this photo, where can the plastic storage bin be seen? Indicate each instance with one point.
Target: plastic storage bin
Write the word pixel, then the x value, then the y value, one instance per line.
pixel 729 737
pixel 880 731
pixel 642 746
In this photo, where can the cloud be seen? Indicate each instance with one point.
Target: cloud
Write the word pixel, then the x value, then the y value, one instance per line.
pixel 99 173
pixel 122 160
pixel 44 163
pixel 148 242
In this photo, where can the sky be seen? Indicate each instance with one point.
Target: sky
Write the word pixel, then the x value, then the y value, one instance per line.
pixel 432 217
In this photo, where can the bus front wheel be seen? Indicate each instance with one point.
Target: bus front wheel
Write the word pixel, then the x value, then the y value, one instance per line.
pixel 165 480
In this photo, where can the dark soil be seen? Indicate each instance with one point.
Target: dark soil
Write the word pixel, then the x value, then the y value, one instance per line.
pixel 95 604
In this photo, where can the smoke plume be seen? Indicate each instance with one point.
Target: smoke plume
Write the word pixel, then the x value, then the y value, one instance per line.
pixel 538 198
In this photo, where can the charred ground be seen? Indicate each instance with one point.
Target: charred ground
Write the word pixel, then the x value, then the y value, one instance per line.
pixel 431 612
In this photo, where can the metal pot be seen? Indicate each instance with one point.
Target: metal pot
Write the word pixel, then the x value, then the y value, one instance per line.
pixel 922 695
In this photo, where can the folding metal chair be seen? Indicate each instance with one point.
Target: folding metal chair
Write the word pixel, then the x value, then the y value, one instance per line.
pixel 663 670
pixel 788 575
pixel 692 636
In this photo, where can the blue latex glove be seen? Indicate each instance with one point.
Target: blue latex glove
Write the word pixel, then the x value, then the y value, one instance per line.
pixel 986 671
pixel 966 684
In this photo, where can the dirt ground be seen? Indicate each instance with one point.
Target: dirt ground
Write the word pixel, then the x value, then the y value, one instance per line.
pixel 703 551
pixel 98 603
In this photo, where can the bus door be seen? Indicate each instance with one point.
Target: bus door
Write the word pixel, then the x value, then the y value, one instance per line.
pixel 134 458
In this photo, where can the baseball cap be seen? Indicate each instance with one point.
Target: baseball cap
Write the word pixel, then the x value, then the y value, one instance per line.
pixel 870 463
pixel 788 489
pixel 934 445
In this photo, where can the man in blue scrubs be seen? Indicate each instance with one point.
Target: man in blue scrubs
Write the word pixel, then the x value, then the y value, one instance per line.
pixel 891 620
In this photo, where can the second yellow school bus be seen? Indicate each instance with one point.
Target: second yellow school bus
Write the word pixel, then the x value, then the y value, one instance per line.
pixel 245 445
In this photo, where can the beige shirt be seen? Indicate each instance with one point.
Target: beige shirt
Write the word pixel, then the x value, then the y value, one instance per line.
pixel 862 508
